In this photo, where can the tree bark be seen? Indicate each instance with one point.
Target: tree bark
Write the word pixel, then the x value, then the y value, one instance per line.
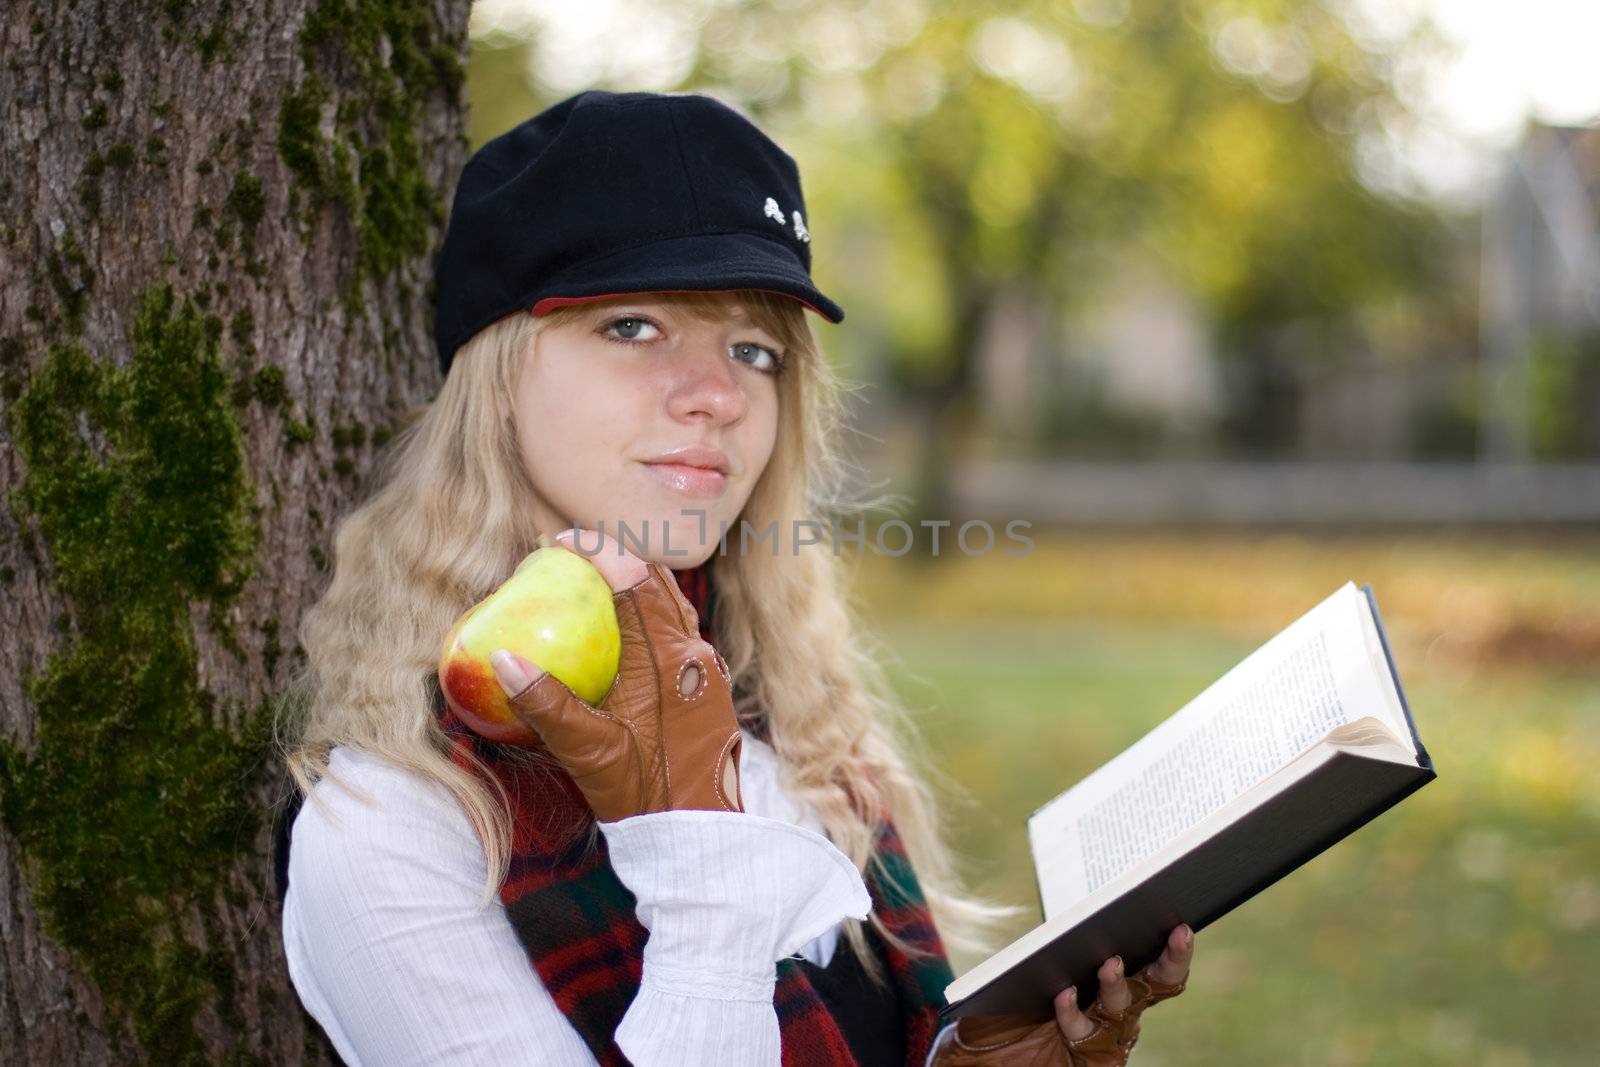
pixel 217 224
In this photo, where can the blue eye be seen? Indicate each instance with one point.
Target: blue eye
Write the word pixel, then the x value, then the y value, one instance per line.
pixel 747 348
pixel 629 327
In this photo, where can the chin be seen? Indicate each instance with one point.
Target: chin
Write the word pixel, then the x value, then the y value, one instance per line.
pixel 687 547
pixel 671 538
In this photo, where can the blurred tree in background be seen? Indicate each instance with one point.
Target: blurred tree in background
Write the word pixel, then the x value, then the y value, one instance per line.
pixel 958 156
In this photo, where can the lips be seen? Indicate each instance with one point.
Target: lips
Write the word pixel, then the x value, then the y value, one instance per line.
pixel 700 482
pixel 694 456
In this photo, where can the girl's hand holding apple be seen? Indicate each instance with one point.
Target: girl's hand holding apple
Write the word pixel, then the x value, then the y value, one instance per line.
pixel 556 608
pixel 661 736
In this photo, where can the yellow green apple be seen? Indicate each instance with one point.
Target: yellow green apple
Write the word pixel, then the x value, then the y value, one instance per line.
pixel 555 610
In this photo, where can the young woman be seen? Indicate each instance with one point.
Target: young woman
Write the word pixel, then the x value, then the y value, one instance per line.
pixel 730 858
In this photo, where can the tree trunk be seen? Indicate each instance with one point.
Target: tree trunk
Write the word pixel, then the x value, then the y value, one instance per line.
pixel 216 234
pixel 942 409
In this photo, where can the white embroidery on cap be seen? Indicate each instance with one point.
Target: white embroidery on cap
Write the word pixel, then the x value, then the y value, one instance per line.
pixel 773 211
pixel 800 230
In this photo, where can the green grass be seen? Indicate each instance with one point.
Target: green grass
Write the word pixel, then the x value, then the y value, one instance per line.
pixel 1462 926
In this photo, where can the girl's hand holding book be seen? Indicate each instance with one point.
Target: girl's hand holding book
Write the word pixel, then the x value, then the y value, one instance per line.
pixel 1101 1035
pixel 664 737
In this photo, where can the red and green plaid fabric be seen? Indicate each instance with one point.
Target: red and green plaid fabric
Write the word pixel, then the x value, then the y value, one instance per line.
pixel 576 918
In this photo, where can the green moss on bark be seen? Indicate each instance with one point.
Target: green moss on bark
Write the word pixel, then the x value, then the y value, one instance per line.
pixel 246 201
pixel 271 388
pixel 246 204
pixel 71 279
pixel 135 801
pixel 383 60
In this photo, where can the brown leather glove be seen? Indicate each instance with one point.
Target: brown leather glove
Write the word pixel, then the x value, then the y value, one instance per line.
pixel 1028 1041
pixel 664 737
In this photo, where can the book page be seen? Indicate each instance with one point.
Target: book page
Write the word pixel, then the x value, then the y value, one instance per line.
pixel 1309 679
pixel 1376 692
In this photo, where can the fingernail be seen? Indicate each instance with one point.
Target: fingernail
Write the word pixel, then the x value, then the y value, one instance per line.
pixel 1072 995
pixel 1119 966
pixel 513 679
pixel 566 535
pixel 1186 937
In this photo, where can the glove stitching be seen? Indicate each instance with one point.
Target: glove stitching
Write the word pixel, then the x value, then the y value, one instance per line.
pixel 661 718
pixel 1108 1015
pixel 677 683
pixel 664 577
pixel 1076 1041
pixel 987 1048
pixel 633 751
pixel 686 613
pixel 576 699
pixel 1157 990
pixel 716 772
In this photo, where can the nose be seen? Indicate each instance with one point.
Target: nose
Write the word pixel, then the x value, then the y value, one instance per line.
pixel 707 387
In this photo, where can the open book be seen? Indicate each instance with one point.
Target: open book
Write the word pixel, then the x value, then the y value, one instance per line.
pixel 1304 741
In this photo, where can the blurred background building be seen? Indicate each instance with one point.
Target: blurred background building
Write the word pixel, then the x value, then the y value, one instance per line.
pixel 1325 260
pixel 1540 298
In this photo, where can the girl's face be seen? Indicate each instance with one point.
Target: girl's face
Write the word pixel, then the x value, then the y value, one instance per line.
pixel 604 401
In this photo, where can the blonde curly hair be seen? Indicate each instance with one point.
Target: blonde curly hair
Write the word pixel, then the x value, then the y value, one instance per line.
pixel 405 567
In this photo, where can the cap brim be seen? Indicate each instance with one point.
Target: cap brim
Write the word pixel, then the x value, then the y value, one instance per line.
pixel 699 263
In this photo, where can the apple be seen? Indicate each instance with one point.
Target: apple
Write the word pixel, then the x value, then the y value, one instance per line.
pixel 556 610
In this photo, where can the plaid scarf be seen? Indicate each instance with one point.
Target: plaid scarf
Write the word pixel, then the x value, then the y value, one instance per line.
pixel 576 919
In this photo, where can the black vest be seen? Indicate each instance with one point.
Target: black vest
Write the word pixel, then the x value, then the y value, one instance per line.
pixel 868 1014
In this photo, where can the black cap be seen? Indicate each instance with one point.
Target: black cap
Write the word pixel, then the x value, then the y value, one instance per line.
pixel 609 193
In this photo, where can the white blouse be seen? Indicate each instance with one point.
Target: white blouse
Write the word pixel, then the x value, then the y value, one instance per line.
pixel 391 952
